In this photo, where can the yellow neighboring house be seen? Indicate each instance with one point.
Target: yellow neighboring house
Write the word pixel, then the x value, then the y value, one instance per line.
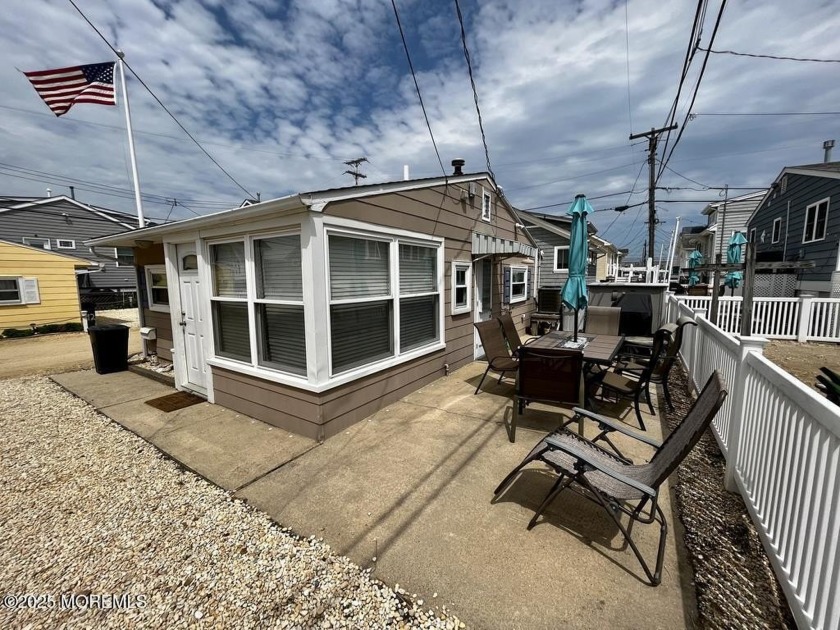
pixel 38 286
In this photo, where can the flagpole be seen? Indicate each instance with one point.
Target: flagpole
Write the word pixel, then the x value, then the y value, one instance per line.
pixel 140 220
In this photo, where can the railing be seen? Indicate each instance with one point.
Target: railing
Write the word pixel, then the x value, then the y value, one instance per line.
pixel 803 319
pixel 781 441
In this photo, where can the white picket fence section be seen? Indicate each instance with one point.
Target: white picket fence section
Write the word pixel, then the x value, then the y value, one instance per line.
pixel 803 319
pixel 781 440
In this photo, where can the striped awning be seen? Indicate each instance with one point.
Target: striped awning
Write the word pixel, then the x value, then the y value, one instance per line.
pixel 483 244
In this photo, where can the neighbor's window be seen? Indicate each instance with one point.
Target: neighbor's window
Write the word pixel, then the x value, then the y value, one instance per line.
pixel 486 206
pixel 124 256
pixel 278 306
pixel 229 299
pixel 461 287
pixel 65 244
pixel 157 288
pixel 419 296
pixel 361 301
pixel 9 291
pixel 43 243
pixel 561 258
pixel 777 229
pixel 518 284
pixel 816 219
pixel 752 235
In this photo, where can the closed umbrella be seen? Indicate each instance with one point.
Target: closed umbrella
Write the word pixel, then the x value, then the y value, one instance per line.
pixel 733 256
pixel 695 259
pixel 574 291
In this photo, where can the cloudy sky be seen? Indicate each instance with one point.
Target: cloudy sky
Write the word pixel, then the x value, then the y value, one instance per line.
pixel 280 93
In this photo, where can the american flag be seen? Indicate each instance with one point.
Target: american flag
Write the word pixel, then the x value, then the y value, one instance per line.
pixel 64 87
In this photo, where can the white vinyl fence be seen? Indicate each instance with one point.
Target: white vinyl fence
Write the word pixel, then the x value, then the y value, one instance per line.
pixel 803 319
pixel 781 440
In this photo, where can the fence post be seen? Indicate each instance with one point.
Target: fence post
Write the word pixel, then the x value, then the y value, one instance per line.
pixel 738 410
pixel 695 351
pixel 803 329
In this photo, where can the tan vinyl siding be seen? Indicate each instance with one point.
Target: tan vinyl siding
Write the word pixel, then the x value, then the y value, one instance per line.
pixel 57 287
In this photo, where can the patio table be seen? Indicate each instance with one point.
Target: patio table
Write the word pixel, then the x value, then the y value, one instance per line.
pixel 599 351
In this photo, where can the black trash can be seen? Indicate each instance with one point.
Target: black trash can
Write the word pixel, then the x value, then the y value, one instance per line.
pixel 110 348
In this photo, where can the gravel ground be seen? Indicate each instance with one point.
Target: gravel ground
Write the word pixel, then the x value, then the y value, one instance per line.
pixel 736 586
pixel 93 512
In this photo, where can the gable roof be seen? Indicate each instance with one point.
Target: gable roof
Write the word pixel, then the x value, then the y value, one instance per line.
pixel 111 215
pixel 829 170
pixel 79 262
pixel 561 225
pixel 315 201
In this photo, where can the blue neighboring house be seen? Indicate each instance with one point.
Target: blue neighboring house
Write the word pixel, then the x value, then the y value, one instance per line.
pixel 799 220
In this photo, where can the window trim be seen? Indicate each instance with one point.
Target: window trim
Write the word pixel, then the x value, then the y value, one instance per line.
pixel 117 257
pixel 752 235
pixel 816 206
pixel 454 265
pixel 59 241
pixel 46 241
pixel 19 299
pixel 154 306
pixel 556 249
pixel 524 283
pixel 486 213
pixel 774 237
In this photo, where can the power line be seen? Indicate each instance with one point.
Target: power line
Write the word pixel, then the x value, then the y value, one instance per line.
pixel 696 88
pixel 627 49
pixel 165 108
pixel 757 56
pixel 565 203
pixel 573 178
pixel 693 181
pixel 693 116
pixel 417 86
pixel 472 84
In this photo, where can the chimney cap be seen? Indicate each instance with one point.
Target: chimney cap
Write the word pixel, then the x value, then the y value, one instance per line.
pixel 828 144
pixel 458 164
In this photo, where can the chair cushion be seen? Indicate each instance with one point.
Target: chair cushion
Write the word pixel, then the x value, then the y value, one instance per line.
pixel 619 383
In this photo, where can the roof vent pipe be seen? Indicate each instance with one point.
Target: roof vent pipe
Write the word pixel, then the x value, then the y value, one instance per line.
pixel 458 164
pixel 405 172
pixel 828 145
pixel 72 192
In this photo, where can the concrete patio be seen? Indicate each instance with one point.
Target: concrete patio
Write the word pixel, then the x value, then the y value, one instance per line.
pixel 409 493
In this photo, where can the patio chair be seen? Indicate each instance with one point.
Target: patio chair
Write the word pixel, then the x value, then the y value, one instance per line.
pixel 618 486
pixel 495 350
pixel 829 384
pixel 514 341
pixel 546 375
pixel 661 373
pixel 633 387
pixel 602 320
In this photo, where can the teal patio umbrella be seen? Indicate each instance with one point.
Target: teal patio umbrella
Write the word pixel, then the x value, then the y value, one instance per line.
pixel 695 259
pixel 574 292
pixel 733 256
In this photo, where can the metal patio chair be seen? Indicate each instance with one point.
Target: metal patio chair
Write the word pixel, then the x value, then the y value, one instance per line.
pixel 546 375
pixel 495 350
pixel 616 484
pixel 514 341
pixel 602 320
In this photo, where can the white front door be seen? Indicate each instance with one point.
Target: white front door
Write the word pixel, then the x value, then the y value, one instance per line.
pixel 192 322
pixel 483 278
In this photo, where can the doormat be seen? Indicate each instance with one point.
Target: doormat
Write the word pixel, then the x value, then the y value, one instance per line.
pixel 173 402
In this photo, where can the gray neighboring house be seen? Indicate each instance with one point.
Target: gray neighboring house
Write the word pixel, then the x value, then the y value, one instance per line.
pixel 798 219
pixel 62 225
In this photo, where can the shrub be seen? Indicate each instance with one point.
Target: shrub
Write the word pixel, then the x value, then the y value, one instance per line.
pixel 42 330
pixel 14 332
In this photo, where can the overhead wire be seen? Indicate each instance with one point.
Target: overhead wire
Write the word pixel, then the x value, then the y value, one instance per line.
pixel 757 56
pixel 472 84
pixel 159 102
pixel 627 56
pixel 417 86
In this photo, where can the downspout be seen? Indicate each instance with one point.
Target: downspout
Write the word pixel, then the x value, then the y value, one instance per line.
pixel 787 226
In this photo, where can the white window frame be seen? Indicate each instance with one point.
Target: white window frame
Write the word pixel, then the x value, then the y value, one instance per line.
pixel 486 205
pixel 776 237
pixel 455 266
pixel 815 206
pixel 59 241
pixel 155 306
pixel 524 283
pixel 117 257
pixel 19 299
pixel 40 243
pixel 556 250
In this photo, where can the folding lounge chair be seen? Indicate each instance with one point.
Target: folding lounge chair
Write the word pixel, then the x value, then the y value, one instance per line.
pixel 619 486
pixel 495 350
pixel 514 341
pixel 602 320
pixel 546 375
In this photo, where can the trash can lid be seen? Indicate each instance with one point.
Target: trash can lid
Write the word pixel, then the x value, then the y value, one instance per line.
pixel 108 327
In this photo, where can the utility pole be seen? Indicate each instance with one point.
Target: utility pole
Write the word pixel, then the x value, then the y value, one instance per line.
pixel 355 173
pixel 653 138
